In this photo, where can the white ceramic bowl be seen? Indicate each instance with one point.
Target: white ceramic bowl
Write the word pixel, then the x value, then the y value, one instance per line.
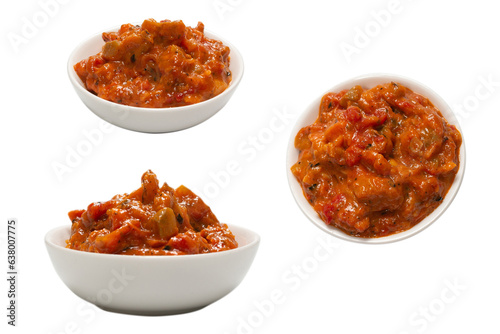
pixel 310 115
pixel 152 120
pixel 151 285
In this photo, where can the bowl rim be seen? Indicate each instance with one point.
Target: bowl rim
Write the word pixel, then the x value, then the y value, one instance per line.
pixel 51 234
pixel 78 84
pixel 312 110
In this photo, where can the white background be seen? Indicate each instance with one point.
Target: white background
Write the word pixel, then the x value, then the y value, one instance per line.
pixel 292 53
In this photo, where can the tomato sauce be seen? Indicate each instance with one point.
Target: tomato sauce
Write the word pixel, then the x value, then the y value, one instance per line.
pixel 157 65
pixel 151 220
pixel 377 161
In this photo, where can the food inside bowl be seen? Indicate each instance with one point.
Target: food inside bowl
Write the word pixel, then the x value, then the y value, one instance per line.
pixel 377 161
pixel 151 220
pixel 157 65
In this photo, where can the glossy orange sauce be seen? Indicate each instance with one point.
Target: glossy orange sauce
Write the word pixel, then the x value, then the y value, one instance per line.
pixel 151 220
pixel 376 161
pixel 157 65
